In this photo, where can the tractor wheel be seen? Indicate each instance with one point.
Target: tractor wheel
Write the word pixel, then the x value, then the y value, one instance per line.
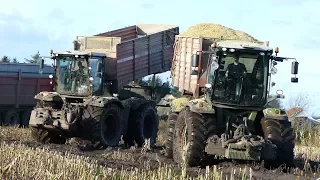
pixel 190 126
pixel 143 124
pixel 280 133
pixel 25 117
pixel 172 118
pixel 103 125
pixel 11 118
pixel 45 136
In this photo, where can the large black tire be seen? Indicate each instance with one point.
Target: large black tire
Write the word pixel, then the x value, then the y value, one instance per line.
pixel 172 118
pixel 280 133
pixel 25 117
pixel 11 118
pixel 143 124
pixel 103 126
pixel 196 135
pixel 45 136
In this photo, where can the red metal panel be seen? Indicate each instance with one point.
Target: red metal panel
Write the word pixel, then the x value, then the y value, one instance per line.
pixel 124 63
pixel 156 52
pixel 28 89
pixel 126 33
pixel 141 57
pixel 144 56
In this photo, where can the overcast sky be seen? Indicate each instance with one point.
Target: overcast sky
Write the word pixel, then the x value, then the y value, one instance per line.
pixel 293 25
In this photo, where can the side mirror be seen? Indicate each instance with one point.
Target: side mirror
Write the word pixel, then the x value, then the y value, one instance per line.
pixel 99 67
pixel 294 71
pixel 99 70
pixel 41 63
pixel 294 67
pixel 195 60
pixel 195 64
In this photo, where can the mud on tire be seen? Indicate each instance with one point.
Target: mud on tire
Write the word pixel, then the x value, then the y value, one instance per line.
pixel 143 124
pixel 280 133
pixel 196 135
pixel 45 136
pixel 172 118
pixel 103 126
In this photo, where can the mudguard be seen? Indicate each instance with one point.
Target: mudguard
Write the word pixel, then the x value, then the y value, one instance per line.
pixel 178 104
pixel 201 106
pixel 274 113
pixel 134 103
pixel 48 96
pixel 99 101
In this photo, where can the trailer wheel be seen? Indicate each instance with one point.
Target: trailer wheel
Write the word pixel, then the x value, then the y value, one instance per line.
pixel 190 126
pixel 11 118
pixel 45 136
pixel 25 118
pixel 280 133
pixel 104 125
pixel 1 119
pixel 172 118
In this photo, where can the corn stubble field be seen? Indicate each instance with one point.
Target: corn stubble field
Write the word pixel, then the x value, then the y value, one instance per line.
pixel 23 158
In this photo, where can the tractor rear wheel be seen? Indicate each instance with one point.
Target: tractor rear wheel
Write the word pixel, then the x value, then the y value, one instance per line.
pixel 190 128
pixel 46 136
pixel 280 133
pixel 172 118
pixel 103 126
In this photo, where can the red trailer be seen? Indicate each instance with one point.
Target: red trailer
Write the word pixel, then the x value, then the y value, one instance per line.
pixel 19 83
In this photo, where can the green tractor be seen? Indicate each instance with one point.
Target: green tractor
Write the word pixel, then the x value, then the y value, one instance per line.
pixel 95 98
pixel 224 113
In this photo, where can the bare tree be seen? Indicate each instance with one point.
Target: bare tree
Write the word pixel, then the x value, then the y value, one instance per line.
pixel 302 100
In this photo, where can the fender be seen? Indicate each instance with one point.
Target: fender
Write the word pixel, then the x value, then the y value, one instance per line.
pixel 178 104
pixel 201 106
pixel 134 103
pixel 274 113
pixel 102 101
pixel 48 96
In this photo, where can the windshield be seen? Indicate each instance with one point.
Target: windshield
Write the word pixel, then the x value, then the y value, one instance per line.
pixel 241 79
pixel 73 76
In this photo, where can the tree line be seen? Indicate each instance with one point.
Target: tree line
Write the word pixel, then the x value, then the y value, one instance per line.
pixel 35 59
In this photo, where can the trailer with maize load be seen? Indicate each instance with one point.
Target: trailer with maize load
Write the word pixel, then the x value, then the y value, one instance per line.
pixel 224 113
pixel 92 99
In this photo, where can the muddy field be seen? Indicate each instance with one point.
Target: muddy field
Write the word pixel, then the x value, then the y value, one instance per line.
pixel 128 163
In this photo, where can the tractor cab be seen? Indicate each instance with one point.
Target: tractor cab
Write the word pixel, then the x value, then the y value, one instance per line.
pixel 78 73
pixel 238 73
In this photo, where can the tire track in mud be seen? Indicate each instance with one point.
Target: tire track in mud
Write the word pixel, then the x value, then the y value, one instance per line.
pixel 120 158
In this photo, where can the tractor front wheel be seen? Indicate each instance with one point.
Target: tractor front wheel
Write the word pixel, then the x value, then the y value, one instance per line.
pixel 46 136
pixel 189 138
pixel 172 118
pixel 280 133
